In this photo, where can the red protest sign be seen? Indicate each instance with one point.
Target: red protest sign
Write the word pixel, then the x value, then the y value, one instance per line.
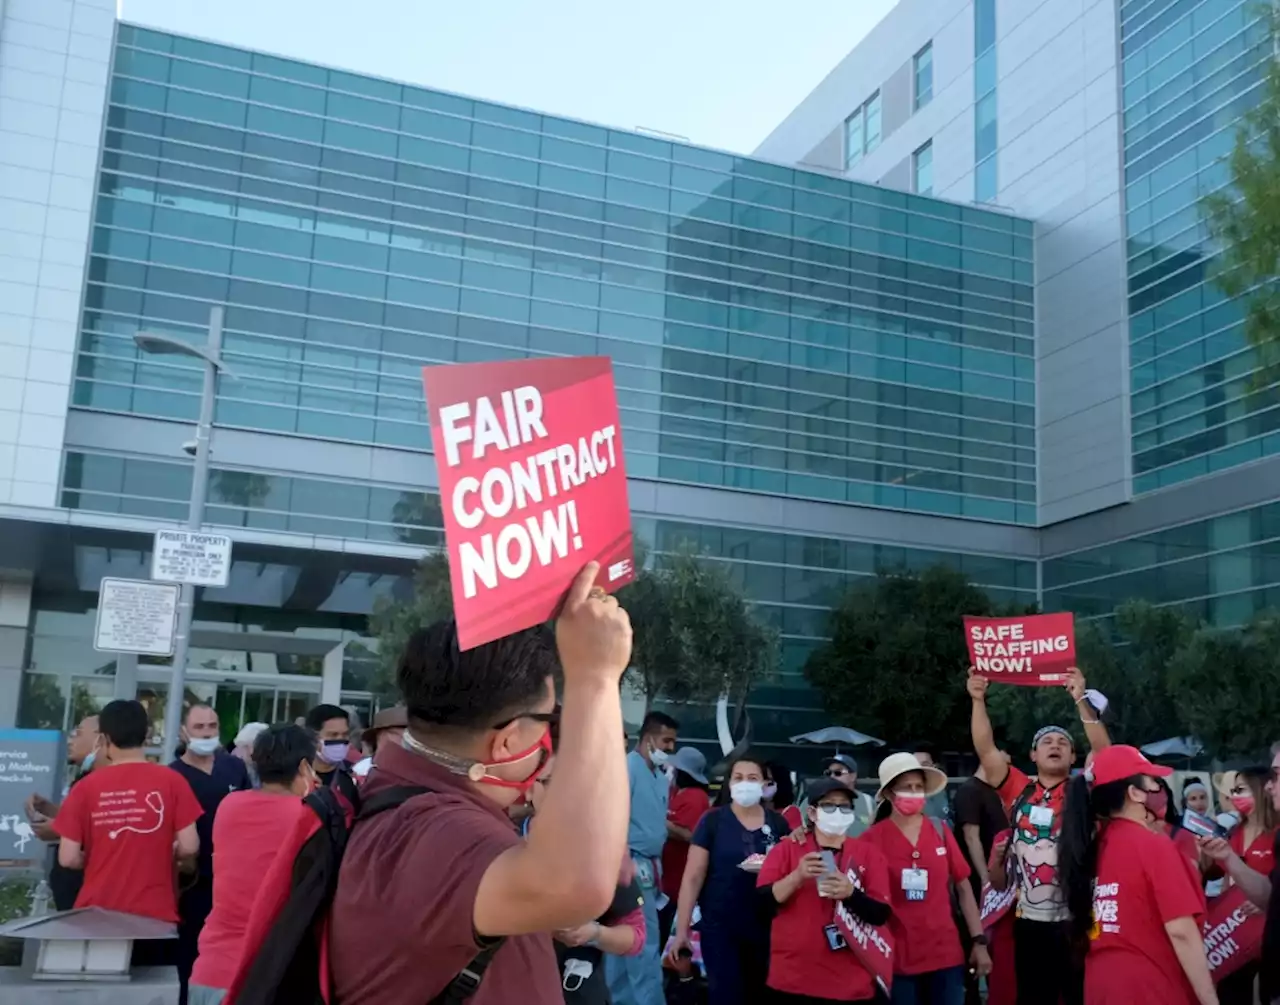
pixel 872 945
pixel 1033 650
pixel 532 486
pixel 1232 933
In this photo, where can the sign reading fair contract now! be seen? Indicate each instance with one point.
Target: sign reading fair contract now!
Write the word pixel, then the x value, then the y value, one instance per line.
pixel 1035 650
pixel 532 486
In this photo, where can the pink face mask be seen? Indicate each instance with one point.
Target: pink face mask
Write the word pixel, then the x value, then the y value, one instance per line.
pixel 909 804
pixel 1243 804
pixel 479 771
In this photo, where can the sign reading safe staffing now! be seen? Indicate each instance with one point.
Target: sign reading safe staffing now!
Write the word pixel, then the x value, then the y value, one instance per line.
pixel 532 486
pixel 1035 650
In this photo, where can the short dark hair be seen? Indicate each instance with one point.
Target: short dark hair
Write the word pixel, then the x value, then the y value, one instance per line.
pixel 321 714
pixel 443 685
pixel 654 721
pixel 193 706
pixel 279 751
pixel 124 723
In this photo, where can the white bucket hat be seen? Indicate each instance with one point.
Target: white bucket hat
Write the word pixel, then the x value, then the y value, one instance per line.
pixel 895 766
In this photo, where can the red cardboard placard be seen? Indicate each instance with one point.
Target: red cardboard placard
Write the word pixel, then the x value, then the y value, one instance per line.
pixel 532 486
pixel 871 944
pixel 1232 933
pixel 1034 650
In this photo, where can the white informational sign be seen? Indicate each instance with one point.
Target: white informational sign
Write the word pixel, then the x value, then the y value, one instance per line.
pixel 135 616
pixel 189 556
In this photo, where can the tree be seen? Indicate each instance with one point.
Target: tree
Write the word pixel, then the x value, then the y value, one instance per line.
pixel 896 663
pixel 695 636
pixel 241 489
pixel 393 621
pixel 1244 218
pixel 1225 685
pixel 1127 663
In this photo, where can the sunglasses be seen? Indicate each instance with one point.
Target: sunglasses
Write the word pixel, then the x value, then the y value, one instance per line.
pixel 836 772
pixel 551 718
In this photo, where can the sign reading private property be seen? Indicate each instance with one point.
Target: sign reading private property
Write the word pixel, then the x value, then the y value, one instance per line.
pixel 532 485
pixel 136 616
pixel 30 760
pixel 193 557
pixel 1034 650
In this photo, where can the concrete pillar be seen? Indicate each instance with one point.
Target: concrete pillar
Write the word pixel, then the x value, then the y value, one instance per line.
pixel 15 616
pixel 331 675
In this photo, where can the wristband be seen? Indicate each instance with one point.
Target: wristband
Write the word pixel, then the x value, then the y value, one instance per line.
pixel 980 940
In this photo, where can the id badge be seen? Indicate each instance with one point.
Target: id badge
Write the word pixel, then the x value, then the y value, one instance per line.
pixel 835 941
pixel 1041 816
pixel 915 883
pixel 644 874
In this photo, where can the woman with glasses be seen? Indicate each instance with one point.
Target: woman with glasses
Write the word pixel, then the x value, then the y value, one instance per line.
pixel 1133 898
pixel 1246 858
pixel 810 961
pixel 728 848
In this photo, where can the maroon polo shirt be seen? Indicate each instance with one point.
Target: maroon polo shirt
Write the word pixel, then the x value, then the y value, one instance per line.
pixel 403 914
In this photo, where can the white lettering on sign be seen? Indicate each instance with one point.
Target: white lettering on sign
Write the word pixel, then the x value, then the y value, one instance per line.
pixel 186 556
pixel 1005 649
pixel 1219 942
pixel 135 616
pixel 508 490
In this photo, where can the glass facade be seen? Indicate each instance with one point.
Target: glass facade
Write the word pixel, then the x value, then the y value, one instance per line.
pixel 772 330
pixel 922 168
pixel 862 131
pixel 986 139
pixel 1190 71
pixel 922 69
pixel 1224 569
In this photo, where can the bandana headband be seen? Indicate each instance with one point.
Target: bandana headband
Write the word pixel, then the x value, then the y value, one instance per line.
pixel 1044 731
pixel 1195 787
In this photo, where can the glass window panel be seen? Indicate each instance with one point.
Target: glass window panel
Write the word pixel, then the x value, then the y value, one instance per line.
pixel 214 79
pixel 984 25
pixel 274 122
pixel 873 122
pixel 508 141
pixel 923 161
pixel 984 184
pixel 854 138
pixel 206 108
pixel 360 138
pixel 985 126
pixel 274 66
pixel 137 94
pixel 924 76
pixel 365 111
pixel 985 73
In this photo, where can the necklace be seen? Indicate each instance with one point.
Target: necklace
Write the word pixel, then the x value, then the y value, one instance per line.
pixel 473 770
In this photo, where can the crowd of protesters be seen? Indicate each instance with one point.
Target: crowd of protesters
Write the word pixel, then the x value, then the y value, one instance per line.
pixel 502 845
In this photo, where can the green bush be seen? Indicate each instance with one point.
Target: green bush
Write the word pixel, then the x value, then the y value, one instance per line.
pixel 15 902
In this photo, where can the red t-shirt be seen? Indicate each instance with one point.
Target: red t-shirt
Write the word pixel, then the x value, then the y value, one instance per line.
pixel 248 830
pixel 1260 856
pixel 800 961
pixel 125 817
pixel 925 936
pixel 792 816
pixel 684 810
pixel 1142 884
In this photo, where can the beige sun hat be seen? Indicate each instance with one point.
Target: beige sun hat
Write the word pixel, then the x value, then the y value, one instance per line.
pixel 896 765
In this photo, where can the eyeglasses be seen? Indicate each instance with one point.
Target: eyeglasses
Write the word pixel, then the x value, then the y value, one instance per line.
pixel 836 772
pixel 551 718
pixel 836 808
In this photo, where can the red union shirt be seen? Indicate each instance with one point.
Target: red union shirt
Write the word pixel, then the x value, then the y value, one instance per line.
pixel 1260 855
pixel 800 961
pixel 685 810
pixel 125 817
pixel 925 936
pixel 1142 884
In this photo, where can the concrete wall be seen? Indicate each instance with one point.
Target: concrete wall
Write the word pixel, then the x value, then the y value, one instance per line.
pixel 54 57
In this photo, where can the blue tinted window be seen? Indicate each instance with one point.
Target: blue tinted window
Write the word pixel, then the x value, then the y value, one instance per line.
pixel 923 72
pixel 984 25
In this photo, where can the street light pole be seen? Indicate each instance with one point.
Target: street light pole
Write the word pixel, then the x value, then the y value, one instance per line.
pixel 211 355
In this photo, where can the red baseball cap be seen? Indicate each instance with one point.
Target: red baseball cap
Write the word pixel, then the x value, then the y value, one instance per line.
pixel 1113 764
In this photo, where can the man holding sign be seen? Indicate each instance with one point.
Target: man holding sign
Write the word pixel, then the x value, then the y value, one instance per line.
pixel 1047 970
pixel 532 485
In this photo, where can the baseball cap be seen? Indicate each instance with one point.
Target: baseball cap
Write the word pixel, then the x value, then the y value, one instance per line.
pixel 844 759
pixel 1114 764
pixel 820 787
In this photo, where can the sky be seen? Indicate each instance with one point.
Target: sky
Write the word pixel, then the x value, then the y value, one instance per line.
pixel 719 73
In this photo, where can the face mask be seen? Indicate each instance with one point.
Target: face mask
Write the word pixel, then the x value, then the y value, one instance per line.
pixel 746 794
pixel 1243 804
pixel 204 746
pixel 770 790
pixel 480 772
pixel 834 820
pixel 909 804
pixel 1157 803
pixel 87 763
pixel 334 751
pixel 658 757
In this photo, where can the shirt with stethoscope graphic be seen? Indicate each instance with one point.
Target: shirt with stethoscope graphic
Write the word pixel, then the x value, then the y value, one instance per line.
pixel 125 817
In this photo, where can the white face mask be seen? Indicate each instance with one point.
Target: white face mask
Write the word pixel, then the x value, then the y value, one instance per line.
pixel 835 820
pixel 658 756
pixel 747 794
pixel 204 746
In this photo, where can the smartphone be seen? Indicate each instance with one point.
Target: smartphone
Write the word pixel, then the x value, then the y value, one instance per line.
pixel 1201 825
pixel 828 865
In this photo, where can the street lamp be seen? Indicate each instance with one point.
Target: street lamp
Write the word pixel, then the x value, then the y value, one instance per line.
pixel 211 355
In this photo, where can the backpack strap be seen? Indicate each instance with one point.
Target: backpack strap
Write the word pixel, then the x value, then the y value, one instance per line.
pixel 467 982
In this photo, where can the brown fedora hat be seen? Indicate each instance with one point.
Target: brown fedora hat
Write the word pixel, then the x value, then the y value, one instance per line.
pixel 396 717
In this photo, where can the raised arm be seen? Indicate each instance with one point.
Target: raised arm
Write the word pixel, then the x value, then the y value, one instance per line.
pixel 984 741
pixel 1094 730
pixel 567 871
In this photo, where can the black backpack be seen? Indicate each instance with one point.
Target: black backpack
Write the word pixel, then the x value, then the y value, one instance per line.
pixel 286 968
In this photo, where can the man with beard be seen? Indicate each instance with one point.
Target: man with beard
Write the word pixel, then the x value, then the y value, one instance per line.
pixel 1048 970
